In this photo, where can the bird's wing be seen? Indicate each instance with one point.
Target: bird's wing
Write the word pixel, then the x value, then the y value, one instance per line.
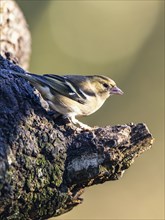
pixel 57 84
pixel 81 84
pixel 64 87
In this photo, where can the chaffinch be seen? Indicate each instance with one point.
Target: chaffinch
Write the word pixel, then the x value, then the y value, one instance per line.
pixel 73 95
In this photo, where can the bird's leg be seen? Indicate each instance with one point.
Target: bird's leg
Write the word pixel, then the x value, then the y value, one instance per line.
pixel 80 124
pixel 71 119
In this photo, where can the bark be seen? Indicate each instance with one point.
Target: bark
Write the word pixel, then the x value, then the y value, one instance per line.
pixel 15 39
pixel 46 163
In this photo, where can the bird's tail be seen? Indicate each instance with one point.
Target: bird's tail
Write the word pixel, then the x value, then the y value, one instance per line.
pixel 34 79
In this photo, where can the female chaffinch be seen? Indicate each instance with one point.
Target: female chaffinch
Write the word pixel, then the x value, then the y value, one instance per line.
pixel 73 95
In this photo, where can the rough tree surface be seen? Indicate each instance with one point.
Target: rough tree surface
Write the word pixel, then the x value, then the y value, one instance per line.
pixel 15 39
pixel 44 163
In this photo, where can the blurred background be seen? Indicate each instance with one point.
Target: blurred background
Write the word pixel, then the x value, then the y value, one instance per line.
pixel 123 40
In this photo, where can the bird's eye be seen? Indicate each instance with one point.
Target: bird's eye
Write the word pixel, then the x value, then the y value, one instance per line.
pixel 106 85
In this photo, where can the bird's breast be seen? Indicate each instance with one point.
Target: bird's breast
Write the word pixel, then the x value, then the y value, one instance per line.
pixel 67 106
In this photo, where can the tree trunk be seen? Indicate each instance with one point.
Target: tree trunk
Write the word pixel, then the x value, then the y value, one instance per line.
pixel 15 39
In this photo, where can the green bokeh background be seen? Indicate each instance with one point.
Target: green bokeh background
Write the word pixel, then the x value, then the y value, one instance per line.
pixel 123 40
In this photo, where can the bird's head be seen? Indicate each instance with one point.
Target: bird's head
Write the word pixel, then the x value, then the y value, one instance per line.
pixel 104 86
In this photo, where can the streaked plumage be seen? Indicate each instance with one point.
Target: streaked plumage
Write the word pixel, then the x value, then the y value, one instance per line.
pixel 73 95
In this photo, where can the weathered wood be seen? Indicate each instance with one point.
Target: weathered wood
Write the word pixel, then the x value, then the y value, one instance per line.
pixel 15 39
pixel 45 163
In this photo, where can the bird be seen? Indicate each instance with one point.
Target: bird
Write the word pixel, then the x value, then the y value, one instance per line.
pixel 73 95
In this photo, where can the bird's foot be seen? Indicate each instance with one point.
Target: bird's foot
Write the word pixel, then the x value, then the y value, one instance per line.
pixel 80 126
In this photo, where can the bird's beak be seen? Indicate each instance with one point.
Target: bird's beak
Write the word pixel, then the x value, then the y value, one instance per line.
pixel 116 90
